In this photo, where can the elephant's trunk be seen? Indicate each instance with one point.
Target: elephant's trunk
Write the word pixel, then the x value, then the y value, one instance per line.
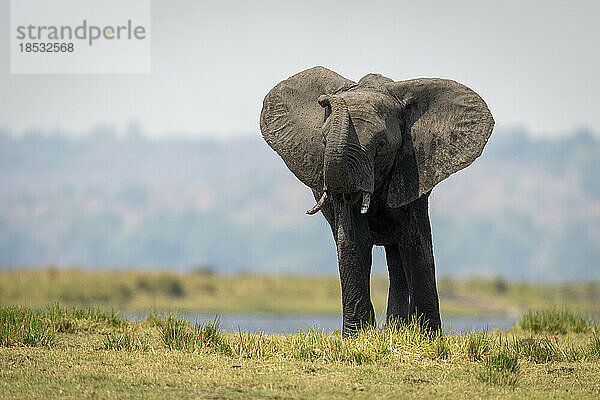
pixel 337 148
pixel 346 166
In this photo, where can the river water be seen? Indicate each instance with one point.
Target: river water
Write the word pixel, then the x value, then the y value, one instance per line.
pixel 288 324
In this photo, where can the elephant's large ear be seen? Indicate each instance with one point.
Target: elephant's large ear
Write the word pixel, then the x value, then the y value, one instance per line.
pixel 291 121
pixel 445 127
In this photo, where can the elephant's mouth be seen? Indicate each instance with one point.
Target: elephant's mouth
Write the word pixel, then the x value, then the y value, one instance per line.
pixel 366 202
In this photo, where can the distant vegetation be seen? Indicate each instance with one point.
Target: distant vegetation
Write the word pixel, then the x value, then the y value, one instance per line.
pixel 528 209
pixel 208 292
pixel 83 352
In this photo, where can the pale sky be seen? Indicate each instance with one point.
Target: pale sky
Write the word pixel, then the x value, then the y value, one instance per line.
pixel 535 63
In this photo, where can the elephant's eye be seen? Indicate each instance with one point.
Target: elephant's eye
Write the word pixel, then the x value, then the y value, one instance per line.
pixel 381 144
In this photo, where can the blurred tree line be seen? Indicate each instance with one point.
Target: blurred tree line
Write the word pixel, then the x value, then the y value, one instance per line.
pixel 529 208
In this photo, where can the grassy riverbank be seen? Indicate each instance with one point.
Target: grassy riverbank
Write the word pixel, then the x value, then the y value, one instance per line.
pixel 207 292
pixel 86 353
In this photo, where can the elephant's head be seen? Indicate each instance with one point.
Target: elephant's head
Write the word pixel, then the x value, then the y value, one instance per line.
pixel 397 138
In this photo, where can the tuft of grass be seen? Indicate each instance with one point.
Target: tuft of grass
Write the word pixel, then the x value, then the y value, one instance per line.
pixel 501 368
pixel 556 321
pixel 178 334
pixel 210 337
pixel 539 351
pixel 573 353
pixel 476 345
pixel 441 348
pixel 76 319
pixel 125 341
pixel 254 345
pixel 23 327
pixel 594 347
pixel 175 333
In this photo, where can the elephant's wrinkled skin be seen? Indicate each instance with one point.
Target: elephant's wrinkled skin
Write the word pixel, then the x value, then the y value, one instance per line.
pixel 371 152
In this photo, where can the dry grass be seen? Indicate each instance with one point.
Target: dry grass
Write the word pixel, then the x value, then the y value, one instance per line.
pixel 95 354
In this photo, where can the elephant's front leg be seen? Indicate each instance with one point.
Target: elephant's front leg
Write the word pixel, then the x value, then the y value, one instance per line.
pixel 416 253
pixel 354 257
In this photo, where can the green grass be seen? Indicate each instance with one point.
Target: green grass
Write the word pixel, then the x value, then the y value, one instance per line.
pixel 556 321
pixel 177 334
pixel 595 345
pixel 129 341
pixel 23 327
pixel 86 353
pixel 74 319
pixel 477 345
pixel 204 292
pixel 501 368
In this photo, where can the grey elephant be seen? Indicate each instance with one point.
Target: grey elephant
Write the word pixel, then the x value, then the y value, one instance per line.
pixel 371 152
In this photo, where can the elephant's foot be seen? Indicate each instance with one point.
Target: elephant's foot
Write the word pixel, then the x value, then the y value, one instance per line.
pixel 434 324
pixel 393 319
pixel 428 316
pixel 428 323
pixel 358 315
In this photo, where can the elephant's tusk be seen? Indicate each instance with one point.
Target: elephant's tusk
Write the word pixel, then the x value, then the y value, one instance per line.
pixel 366 201
pixel 319 204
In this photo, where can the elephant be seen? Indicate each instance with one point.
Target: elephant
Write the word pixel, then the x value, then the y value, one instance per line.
pixel 371 152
